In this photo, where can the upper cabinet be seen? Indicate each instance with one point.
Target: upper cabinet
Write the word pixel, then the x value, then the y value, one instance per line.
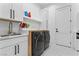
pixel 5 10
pixel 11 11
pixel 17 9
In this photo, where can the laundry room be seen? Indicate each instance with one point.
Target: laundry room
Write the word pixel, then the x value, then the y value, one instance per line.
pixel 39 29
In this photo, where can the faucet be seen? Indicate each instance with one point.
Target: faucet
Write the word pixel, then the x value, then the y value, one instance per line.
pixel 10 27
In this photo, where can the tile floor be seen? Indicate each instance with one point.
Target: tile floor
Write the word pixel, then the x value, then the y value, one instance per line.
pixel 56 50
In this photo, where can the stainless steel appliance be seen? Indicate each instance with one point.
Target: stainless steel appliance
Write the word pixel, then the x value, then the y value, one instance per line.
pixel 38 42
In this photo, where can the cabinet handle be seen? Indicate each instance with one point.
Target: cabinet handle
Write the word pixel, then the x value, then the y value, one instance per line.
pixel 10 13
pixel 15 50
pixel 18 49
pixel 13 14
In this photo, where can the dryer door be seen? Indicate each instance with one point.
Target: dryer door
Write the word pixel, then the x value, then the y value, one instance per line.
pixel 37 43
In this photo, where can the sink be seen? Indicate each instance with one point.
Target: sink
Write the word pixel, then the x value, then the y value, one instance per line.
pixel 10 34
pixel 4 35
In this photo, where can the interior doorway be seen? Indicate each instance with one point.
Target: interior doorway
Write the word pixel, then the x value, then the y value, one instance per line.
pixel 63 26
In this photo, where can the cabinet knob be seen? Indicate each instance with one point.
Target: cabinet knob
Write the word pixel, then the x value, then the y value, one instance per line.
pixel 57 30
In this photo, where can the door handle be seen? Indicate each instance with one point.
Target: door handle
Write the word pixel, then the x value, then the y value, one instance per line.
pixel 18 49
pixel 10 13
pixel 57 30
pixel 15 50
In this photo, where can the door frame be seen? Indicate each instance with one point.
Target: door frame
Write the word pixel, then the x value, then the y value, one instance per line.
pixel 70 25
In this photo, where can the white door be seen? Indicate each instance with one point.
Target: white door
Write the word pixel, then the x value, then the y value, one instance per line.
pixel 18 11
pixel 63 26
pixel 5 10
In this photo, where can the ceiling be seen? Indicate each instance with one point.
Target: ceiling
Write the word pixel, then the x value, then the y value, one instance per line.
pixel 43 5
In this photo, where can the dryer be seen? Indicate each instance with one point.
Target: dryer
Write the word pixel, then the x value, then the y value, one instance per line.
pixel 38 42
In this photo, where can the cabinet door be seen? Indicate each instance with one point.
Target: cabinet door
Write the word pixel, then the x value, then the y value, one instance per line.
pixel 18 11
pixel 23 48
pixel 7 51
pixel 5 10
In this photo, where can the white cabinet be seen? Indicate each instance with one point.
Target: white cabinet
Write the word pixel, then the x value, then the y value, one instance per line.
pixel 17 46
pixel 12 11
pixel 7 51
pixel 23 49
pixel 17 9
pixel 5 10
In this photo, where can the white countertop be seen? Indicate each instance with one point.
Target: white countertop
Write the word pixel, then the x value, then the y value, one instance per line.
pixel 14 36
pixel 12 40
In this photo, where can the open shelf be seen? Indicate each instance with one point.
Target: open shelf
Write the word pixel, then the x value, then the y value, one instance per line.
pixel 31 19
pixel 9 20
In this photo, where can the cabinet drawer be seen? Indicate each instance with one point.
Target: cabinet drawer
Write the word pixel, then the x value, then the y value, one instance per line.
pixel 12 41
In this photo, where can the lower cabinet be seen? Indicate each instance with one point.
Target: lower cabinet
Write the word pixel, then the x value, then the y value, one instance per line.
pixel 17 47
pixel 7 51
pixel 22 49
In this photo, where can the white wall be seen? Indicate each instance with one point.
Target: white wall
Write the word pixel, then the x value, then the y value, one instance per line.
pixel 34 9
pixel 44 15
pixel 75 24
pixel 4 27
pixel 75 17
pixel 51 23
pixel 15 27
pixel 35 13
